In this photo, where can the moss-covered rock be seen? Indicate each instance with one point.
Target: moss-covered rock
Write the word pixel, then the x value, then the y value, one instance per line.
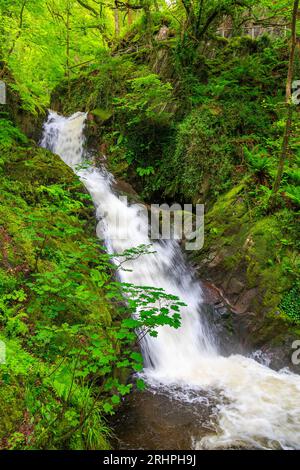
pixel 254 261
pixel 29 123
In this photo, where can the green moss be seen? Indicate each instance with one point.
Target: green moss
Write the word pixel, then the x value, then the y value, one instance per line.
pixel 102 114
pixel 231 262
pixel 260 251
pixel 46 239
pixel 96 87
pixel 12 410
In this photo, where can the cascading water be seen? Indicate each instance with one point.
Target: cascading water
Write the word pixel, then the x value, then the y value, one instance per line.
pixel 260 407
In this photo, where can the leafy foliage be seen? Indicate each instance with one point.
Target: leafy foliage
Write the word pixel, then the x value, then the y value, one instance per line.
pixel 146 101
pixel 9 134
pixel 259 162
pixel 290 304
pixel 181 112
pixel 72 330
pixel 293 193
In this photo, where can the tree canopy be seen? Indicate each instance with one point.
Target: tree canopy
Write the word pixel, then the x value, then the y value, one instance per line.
pixel 43 41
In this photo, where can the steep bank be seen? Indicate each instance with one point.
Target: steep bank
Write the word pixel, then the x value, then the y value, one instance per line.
pixel 46 227
pixel 63 368
pixel 253 261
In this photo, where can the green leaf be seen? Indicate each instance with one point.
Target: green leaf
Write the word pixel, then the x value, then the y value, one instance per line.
pixel 140 384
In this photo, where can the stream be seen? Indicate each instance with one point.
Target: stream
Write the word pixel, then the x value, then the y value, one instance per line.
pixel 197 398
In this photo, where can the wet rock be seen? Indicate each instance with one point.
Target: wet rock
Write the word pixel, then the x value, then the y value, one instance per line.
pixel 157 419
pixel 217 259
pixel 124 188
pixel 244 302
pixel 235 286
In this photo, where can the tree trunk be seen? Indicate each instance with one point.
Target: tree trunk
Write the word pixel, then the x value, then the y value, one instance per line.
pixel 68 63
pixel 289 107
pixel 129 16
pixel 12 48
pixel 117 22
pixel 146 7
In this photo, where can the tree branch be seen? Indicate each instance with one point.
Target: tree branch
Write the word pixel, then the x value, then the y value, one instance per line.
pixel 127 6
pixel 289 106
pixel 88 7
pixel 21 18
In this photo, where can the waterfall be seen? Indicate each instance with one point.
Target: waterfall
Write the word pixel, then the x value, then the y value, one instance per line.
pixel 259 407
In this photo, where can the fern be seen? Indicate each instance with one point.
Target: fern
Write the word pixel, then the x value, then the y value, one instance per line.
pixel 293 193
pixel 9 134
pixel 259 163
pixel 293 174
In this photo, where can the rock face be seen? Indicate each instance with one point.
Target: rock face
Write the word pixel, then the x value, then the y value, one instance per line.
pixel 241 258
pixel 239 330
pixel 235 286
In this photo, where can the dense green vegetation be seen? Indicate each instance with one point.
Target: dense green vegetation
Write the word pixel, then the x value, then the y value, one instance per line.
pixel 213 139
pixel 70 339
pixel 184 115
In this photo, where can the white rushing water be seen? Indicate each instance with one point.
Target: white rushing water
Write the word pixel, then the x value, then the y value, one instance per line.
pixel 260 407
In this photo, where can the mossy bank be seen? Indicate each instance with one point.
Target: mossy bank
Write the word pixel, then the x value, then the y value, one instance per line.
pixel 64 365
